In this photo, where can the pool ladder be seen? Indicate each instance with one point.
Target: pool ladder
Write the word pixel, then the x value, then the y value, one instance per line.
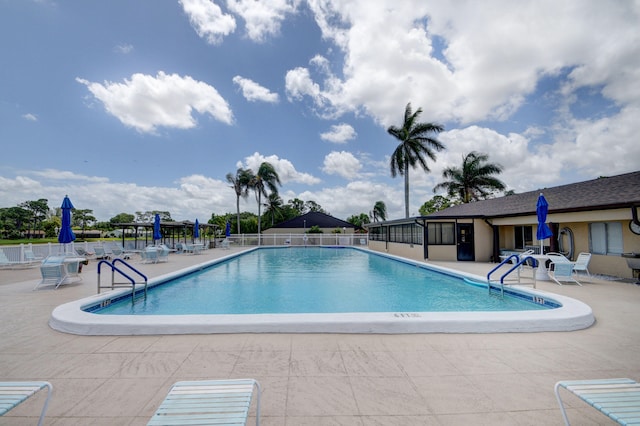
pixel 515 267
pixel 114 284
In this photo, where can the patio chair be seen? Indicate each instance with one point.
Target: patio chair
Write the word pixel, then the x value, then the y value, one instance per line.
pixel 101 253
pixel 163 253
pixel 619 399
pixel 84 253
pixel 58 270
pixel 562 271
pixel 208 402
pixel 581 264
pixel 29 257
pixel 13 394
pixel 6 263
pixel 149 255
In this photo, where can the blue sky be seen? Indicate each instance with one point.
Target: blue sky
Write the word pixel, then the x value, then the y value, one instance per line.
pixel 147 105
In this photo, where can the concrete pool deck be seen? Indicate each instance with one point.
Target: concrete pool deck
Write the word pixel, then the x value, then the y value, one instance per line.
pixel 317 379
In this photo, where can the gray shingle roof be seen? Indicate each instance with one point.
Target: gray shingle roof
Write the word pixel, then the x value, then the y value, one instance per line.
pixel 599 194
pixel 321 220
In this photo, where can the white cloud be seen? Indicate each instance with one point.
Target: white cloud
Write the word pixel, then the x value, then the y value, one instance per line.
pixel 262 18
pixel 208 19
pixel 252 91
pixel 123 48
pixel 146 102
pixel 342 163
pixel 285 169
pixel 64 175
pixel 487 65
pixel 340 133
pixel 30 117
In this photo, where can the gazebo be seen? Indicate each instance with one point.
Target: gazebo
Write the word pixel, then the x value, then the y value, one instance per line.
pixel 172 232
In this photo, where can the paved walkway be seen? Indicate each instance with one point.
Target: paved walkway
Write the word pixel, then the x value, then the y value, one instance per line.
pixel 317 379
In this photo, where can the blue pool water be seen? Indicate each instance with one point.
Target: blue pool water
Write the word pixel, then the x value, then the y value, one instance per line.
pixel 315 280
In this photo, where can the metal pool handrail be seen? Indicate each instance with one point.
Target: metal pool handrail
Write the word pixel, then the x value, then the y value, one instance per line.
pixel 121 272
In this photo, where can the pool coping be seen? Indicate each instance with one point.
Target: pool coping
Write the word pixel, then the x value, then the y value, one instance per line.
pixel 572 315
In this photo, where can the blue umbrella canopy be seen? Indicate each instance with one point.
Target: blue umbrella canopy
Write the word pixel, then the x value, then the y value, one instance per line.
pixel 544 232
pixel 196 229
pixel 227 231
pixel 66 234
pixel 157 235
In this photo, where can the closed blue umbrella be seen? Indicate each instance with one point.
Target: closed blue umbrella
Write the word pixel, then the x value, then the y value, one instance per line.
pixel 66 234
pixel 542 208
pixel 196 229
pixel 227 231
pixel 157 235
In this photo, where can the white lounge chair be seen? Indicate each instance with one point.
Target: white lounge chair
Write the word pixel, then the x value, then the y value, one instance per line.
pixel 619 399
pixel 13 394
pixel 84 253
pixel 58 270
pixel 581 264
pixel 561 271
pixel 220 402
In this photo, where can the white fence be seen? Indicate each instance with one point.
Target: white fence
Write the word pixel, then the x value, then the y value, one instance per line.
pixel 17 253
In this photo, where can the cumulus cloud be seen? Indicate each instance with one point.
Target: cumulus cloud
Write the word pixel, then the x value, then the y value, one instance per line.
pixel 208 19
pixel 285 169
pixel 147 102
pixel 194 196
pixel 341 163
pixel 339 133
pixel 446 58
pixel 30 117
pixel 262 18
pixel 253 92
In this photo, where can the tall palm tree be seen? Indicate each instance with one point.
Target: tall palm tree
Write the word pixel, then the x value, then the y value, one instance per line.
pixel 274 206
pixel 379 211
pixel 266 177
pixel 474 181
pixel 416 142
pixel 240 184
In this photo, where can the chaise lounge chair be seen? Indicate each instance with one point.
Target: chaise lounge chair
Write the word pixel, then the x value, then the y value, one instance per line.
pixel 13 394
pixel 149 255
pixel 219 402
pixel 617 398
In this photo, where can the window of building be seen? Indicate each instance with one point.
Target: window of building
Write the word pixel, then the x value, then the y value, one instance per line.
pixel 378 233
pixel 605 238
pixel 408 233
pixel 441 233
pixel 524 236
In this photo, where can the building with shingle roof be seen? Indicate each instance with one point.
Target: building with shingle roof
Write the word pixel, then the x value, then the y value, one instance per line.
pixel 600 216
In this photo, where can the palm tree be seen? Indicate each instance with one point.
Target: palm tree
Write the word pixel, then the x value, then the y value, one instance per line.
pixel 474 181
pixel 240 184
pixel 379 211
pixel 274 206
pixel 415 144
pixel 266 177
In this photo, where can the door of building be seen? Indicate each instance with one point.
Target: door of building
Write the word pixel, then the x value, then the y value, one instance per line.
pixel 465 241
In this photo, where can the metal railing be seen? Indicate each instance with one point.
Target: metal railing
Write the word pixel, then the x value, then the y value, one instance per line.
pixel 17 252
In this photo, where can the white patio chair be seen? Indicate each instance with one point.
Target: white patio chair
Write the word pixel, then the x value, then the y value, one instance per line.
pixel 561 271
pixel 581 264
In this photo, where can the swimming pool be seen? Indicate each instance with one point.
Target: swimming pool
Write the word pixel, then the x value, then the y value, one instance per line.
pixel 316 280
pixel 80 317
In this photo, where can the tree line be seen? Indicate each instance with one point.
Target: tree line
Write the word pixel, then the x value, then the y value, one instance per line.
pixel 475 180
